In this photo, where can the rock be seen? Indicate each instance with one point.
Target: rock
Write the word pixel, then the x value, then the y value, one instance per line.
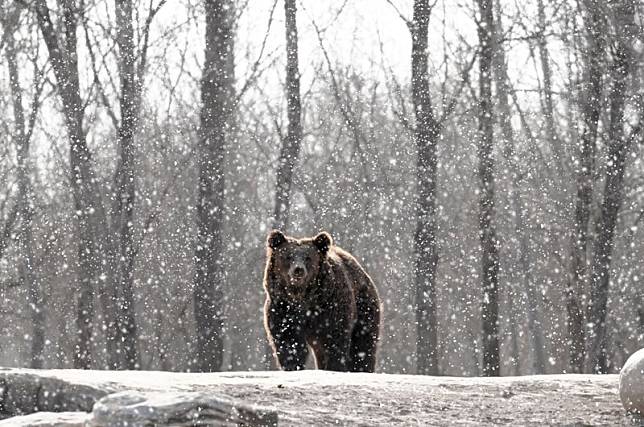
pixel 130 408
pixel 24 392
pixel 631 383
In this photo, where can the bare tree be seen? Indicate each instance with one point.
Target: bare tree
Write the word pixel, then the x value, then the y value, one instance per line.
pixel 22 132
pixel 106 250
pixel 95 266
pixel 535 328
pixel 594 20
pixel 618 148
pixel 131 57
pixel 131 76
pixel 487 226
pixel 426 135
pixel 125 178
pixel 217 96
pixel 291 143
pixel 427 132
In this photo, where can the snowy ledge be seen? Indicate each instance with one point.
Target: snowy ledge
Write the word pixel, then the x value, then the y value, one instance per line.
pixel 66 397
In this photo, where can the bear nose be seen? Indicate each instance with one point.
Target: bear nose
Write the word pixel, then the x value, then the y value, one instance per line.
pixel 298 271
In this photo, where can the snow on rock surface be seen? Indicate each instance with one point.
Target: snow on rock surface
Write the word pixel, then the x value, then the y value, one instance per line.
pixel 631 383
pixel 49 419
pixel 328 398
pixel 129 408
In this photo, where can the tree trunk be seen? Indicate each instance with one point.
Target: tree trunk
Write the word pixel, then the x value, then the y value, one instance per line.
pixel 94 240
pixel 25 205
pixel 618 149
pixel 535 331
pixel 487 233
pixel 291 144
pixel 426 134
pixel 217 96
pixel 549 111
pixel 575 303
pixel 125 180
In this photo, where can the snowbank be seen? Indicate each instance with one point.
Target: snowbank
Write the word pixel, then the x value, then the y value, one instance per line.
pixel 317 397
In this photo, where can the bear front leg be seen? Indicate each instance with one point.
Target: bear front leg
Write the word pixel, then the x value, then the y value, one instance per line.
pixel 337 357
pixel 286 337
pixel 335 354
pixel 291 353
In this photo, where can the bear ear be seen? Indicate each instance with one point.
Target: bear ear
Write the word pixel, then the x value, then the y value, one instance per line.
pixel 323 242
pixel 275 239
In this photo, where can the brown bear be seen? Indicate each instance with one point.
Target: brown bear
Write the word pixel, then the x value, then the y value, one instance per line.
pixel 319 297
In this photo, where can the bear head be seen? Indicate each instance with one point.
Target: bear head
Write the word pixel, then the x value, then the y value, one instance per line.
pixel 297 261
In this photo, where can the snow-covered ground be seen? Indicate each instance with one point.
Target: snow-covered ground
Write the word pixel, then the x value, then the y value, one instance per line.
pixel 328 398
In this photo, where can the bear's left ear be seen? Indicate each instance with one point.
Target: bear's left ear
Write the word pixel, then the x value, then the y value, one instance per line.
pixel 275 239
pixel 323 242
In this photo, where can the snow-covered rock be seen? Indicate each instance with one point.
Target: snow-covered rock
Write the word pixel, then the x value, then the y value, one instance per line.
pixel 27 391
pixel 130 408
pixel 631 383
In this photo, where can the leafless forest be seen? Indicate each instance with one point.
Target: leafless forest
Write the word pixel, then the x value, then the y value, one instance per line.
pixel 480 157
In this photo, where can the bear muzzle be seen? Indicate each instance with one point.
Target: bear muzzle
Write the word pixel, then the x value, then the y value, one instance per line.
pixel 297 274
pixel 297 282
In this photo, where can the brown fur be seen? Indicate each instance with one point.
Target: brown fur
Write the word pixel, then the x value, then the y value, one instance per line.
pixel 319 297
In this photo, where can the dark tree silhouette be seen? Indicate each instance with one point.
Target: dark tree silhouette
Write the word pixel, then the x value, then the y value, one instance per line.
pixel 426 134
pixel 291 143
pixel 125 179
pixel 22 133
pixel 94 257
pixel 217 97
pixel 594 21
pixel 106 252
pixel 618 148
pixel 487 227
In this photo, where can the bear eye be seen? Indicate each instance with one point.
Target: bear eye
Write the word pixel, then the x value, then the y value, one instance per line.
pixel 308 258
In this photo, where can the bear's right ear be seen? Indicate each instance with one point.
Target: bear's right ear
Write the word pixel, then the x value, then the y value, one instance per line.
pixel 275 239
pixel 323 242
